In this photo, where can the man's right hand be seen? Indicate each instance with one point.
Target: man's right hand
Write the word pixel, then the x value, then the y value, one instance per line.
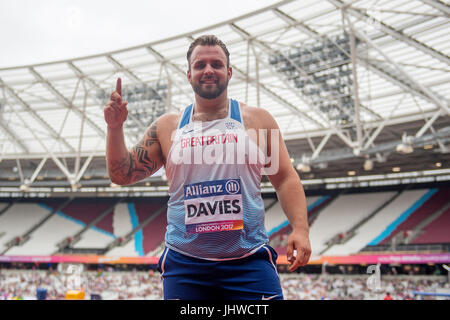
pixel 116 110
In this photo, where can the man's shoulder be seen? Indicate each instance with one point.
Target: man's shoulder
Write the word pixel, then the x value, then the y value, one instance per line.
pixel 254 111
pixel 167 122
pixel 256 116
pixel 169 119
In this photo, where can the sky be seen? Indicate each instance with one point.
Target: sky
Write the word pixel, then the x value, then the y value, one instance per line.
pixel 48 30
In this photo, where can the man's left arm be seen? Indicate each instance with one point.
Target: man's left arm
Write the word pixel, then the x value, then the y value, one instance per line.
pixel 290 194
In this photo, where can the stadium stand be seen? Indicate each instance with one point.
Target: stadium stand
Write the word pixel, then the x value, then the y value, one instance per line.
pixel 374 229
pixel 16 220
pixel 106 223
pixel 339 225
pixel 315 208
pixel 86 211
pixel 401 209
pixel 121 220
pixel 125 224
pixel 129 248
pixel 434 204
pixel 269 202
pixel 151 216
pixel 154 233
pixel 341 215
pixel 136 229
pixel 95 239
pixel 5 206
pixel 98 233
pixel 275 218
pixel 45 240
pixel 143 230
pixel 278 227
pixel 437 231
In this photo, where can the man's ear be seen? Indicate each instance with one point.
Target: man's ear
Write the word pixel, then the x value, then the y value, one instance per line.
pixel 188 74
pixel 230 72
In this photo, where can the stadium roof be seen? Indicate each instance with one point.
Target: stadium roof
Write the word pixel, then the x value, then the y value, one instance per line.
pixel 357 87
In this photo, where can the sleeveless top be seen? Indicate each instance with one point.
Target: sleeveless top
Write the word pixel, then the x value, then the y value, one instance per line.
pixel 215 210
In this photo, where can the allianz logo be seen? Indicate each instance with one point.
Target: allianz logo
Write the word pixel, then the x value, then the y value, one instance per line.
pixel 232 186
pixel 229 187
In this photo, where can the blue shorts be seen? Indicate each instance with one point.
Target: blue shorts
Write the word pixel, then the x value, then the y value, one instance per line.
pixel 251 278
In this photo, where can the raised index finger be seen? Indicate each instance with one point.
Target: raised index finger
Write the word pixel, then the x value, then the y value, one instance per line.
pixel 119 86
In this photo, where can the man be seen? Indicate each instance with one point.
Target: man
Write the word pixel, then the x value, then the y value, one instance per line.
pixel 216 243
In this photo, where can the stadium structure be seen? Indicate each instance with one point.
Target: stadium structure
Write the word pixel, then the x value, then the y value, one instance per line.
pixel 360 90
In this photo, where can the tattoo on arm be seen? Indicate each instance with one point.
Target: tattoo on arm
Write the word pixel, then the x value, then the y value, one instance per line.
pixel 141 165
pixel 137 165
pixel 118 170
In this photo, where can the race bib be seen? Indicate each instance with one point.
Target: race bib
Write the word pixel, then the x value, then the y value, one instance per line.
pixel 213 206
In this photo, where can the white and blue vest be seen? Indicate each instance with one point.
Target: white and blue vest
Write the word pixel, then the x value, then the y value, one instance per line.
pixel 214 168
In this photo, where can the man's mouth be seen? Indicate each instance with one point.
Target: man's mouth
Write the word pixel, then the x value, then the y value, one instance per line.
pixel 209 81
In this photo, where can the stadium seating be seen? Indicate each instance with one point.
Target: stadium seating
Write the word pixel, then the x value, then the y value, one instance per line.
pixel 341 215
pixel 436 201
pixel 276 219
pixel 137 227
pixel 378 227
pixel 153 232
pixel 127 250
pixel 44 241
pixel 18 219
pixel 278 227
pixel 4 205
pixel 86 210
pixel 150 216
pixel 121 220
pixel 94 238
pixel 437 231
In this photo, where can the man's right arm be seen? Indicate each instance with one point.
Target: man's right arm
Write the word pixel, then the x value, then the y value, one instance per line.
pixel 130 166
pixel 145 158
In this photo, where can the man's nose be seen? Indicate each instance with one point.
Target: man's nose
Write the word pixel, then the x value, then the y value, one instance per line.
pixel 208 69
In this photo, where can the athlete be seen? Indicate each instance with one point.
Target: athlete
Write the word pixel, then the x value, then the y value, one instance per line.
pixel 214 153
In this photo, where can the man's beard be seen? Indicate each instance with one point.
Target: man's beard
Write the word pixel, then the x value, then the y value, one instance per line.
pixel 210 94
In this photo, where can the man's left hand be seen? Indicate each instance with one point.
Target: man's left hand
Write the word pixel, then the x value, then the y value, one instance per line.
pixel 298 241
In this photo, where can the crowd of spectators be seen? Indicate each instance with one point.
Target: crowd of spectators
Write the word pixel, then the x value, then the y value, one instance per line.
pixel 111 284
pixel 357 287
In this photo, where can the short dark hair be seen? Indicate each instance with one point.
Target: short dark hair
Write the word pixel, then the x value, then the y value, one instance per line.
pixel 207 40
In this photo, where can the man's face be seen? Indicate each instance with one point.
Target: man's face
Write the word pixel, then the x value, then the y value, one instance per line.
pixel 208 73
